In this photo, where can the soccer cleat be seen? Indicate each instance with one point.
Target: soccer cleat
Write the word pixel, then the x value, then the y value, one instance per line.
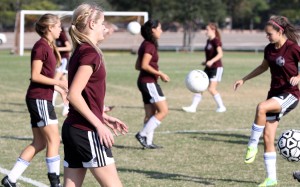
pixel 221 109
pixel 250 155
pixel 189 109
pixel 296 175
pixel 153 146
pixel 54 180
pixel 268 182
pixel 141 139
pixel 6 182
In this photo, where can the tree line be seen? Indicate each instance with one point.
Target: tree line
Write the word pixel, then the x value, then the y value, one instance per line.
pixel 190 14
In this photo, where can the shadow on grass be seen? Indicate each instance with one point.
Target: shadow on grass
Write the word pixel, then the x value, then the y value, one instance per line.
pixel 12 111
pixel 216 137
pixel 127 147
pixel 16 138
pixel 141 107
pixel 181 177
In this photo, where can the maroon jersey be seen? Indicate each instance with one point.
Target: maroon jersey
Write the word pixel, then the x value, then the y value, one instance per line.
pixel 148 47
pixel 283 65
pixel 94 91
pixel 60 42
pixel 42 51
pixel 211 51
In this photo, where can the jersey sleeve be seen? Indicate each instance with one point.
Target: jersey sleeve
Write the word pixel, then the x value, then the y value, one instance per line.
pixel 150 49
pixel 90 57
pixel 217 43
pixel 296 53
pixel 39 53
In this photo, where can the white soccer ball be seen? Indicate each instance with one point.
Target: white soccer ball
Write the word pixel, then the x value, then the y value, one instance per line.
pixel 197 81
pixel 134 27
pixel 288 145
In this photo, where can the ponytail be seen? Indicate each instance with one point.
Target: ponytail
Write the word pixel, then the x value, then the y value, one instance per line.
pixel 41 27
pixel 82 14
pixel 283 24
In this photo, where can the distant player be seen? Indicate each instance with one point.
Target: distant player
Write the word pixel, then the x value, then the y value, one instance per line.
pixel 44 123
pixel 281 55
pixel 86 131
pixel 64 47
pixel 155 104
pixel 213 68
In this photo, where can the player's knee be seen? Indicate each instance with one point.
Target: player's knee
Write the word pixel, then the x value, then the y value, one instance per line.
pixel 164 112
pixel 211 90
pixel 39 146
pixel 261 109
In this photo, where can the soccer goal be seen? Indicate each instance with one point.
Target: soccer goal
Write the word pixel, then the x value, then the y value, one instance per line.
pixel 119 18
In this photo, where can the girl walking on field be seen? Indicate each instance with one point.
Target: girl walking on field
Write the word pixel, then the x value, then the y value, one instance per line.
pixel 155 104
pixel 44 123
pixel 281 55
pixel 213 69
pixel 86 131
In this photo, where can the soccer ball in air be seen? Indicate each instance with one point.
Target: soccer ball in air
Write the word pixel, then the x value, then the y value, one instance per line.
pixel 288 145
pixel 196 81
pixel 134 27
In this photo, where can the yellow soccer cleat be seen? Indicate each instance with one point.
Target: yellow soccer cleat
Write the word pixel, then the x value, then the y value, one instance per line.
pixel 250 155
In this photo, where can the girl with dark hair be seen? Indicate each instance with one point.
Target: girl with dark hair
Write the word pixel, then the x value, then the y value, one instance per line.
pixel 86 131
pixel 281 55
pixel 44 123
pixel 155 104
pixel 213 68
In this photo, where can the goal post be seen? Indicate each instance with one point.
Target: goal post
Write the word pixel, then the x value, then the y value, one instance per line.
pixel 20 31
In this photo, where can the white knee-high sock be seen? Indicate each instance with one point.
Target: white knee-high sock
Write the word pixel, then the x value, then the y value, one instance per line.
pixel 219 100
pixel 270 164
pixel 256 132
pixel 196 100
pixel 53 164
pixel 150 130
pixel 18 169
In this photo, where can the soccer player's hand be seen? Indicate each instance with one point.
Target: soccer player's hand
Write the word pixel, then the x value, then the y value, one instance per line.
pixel 294 80
pixel 237 84
pixel 116 125
pixel 105 136
pixel 209 63
pixel 64 85
pixel 164 77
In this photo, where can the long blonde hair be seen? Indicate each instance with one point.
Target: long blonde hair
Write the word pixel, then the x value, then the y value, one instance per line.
pixel 41 27
pixel 81 16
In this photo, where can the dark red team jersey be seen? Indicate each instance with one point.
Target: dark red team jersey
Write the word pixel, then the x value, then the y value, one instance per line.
pixel 94 91
pixel 60 42
pixel 211 51
pixel 144 76
pixel 42 51
pixel 283 65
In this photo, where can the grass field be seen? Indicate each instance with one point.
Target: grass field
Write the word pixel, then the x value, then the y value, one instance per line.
pixel 201 149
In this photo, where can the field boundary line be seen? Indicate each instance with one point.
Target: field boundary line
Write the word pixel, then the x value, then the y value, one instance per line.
pixel 25 179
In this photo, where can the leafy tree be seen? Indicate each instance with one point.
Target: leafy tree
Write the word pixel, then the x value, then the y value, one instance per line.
pixel 9 8
pixel 247 14
pixel 288 8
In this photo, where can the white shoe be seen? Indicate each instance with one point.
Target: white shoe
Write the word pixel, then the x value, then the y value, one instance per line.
pixel 189 109
pixel 221 109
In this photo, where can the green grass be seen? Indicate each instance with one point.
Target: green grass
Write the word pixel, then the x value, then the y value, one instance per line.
pixel 201 149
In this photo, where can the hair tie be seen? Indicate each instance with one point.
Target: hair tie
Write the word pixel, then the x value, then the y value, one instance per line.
pixel 274 23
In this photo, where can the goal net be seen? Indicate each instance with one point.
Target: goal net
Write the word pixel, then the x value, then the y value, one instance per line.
pixel 117 22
